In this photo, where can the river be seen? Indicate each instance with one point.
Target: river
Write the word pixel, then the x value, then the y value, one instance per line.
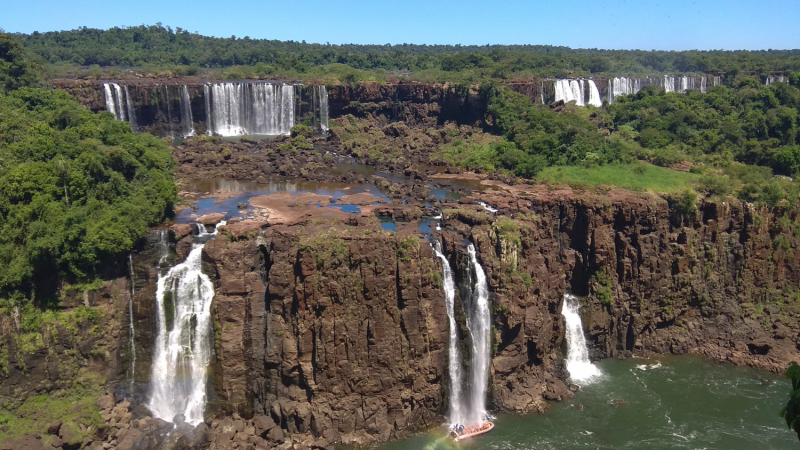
pixel 668 402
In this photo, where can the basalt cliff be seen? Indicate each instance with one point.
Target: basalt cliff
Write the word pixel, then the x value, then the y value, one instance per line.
pixel 330 330
pixel 334 331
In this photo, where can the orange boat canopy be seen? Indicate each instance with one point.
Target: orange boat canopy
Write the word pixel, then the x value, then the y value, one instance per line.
pixel 472 430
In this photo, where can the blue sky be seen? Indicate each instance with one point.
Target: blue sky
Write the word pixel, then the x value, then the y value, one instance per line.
pixel 623 24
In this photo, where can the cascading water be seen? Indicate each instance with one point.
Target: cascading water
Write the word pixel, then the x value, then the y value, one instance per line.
pixel 564 91
pixel 184 338
pixel 235 109
pixel 623 86
pixel 114 101
pixel 187 123
pixel 129 104
pixel 594 95
pixel 479 325
pixel 323 108
pixel 456 406
pixel 578 364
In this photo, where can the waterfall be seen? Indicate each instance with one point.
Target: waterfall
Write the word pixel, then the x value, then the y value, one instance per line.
pixel 564 91
pixel 323 108
pixel 623 86
pixel 184 340
pixel 207 100
pixel 703 84
pixel 594 95
pixel 542 92
pixel 130 323
pixel 129 104
pixel 187 125
pixel 578 364
pixel 479 325
pixel 240 108
pixel 456 406
pixel 113 94
pixel 775 79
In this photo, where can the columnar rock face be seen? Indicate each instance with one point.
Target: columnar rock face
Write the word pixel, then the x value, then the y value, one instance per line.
pixel 340 338
pixel 344 339
pixel 721 283
pixel 330 331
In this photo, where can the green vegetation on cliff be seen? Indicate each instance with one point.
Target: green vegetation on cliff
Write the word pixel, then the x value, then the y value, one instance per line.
pixel 77 189
pixel 731 140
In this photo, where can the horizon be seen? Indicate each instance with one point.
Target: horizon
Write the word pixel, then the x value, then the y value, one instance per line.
pixel 715 25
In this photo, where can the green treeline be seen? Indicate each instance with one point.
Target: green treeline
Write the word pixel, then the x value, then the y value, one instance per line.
pixel 733 138
pixel 77 189
pixel 163 46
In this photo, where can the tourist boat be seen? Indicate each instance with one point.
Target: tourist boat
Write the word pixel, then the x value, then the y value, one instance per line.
pixel 474 430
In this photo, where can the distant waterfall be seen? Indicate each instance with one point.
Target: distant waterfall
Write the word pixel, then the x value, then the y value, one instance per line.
pixel 114 100
pixel 594 95
pixel 480 327
pixel 129 104
pixel 323 108
pixel 669 83
pixel 240 108
pixel 623 86
pixel 456 406
pixel 185 338
pixel 187 124
pixel 775 79
pixel 578 364
pixel 570 90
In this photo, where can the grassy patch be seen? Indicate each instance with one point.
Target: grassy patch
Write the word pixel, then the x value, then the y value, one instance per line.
pixel 470 152
pixel 636 177
pixel 74 407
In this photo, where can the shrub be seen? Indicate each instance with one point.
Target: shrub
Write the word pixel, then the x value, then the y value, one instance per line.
pixel 302 130
pixel 687 205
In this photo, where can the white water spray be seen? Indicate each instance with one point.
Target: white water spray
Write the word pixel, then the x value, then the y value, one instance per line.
pixel 578 364
pixel 184 340
pixel 594 95
pixel 456 406
pixel 241 108
pixel 480 327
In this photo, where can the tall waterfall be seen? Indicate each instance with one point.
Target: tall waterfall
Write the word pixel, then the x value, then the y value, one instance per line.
pixel 480 327
pixel 185 337
pixel 623 86
pixel 456 406
pixel 570 90
pixel 241 108
pixel 187 124
pixel 594 95
pixel 578 364
pixel 114 101
pixel 129 103
pixel 322 91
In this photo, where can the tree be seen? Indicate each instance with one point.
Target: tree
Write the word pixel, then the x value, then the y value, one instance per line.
pixel 17 68
pixel 791 413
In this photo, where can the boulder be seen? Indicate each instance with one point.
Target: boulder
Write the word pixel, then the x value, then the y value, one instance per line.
pixel 211 219
pixel 263 424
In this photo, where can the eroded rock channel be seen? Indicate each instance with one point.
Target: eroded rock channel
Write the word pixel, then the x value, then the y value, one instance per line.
pixel 330 325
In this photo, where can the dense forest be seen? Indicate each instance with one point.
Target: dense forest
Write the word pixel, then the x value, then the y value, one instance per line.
pixel 77 189
pixel 159 45
pixel 734 139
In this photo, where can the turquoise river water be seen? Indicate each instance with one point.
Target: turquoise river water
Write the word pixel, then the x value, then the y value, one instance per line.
pixel 667 402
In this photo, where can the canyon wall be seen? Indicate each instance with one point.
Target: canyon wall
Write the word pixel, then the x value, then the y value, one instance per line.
pixel 331 331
